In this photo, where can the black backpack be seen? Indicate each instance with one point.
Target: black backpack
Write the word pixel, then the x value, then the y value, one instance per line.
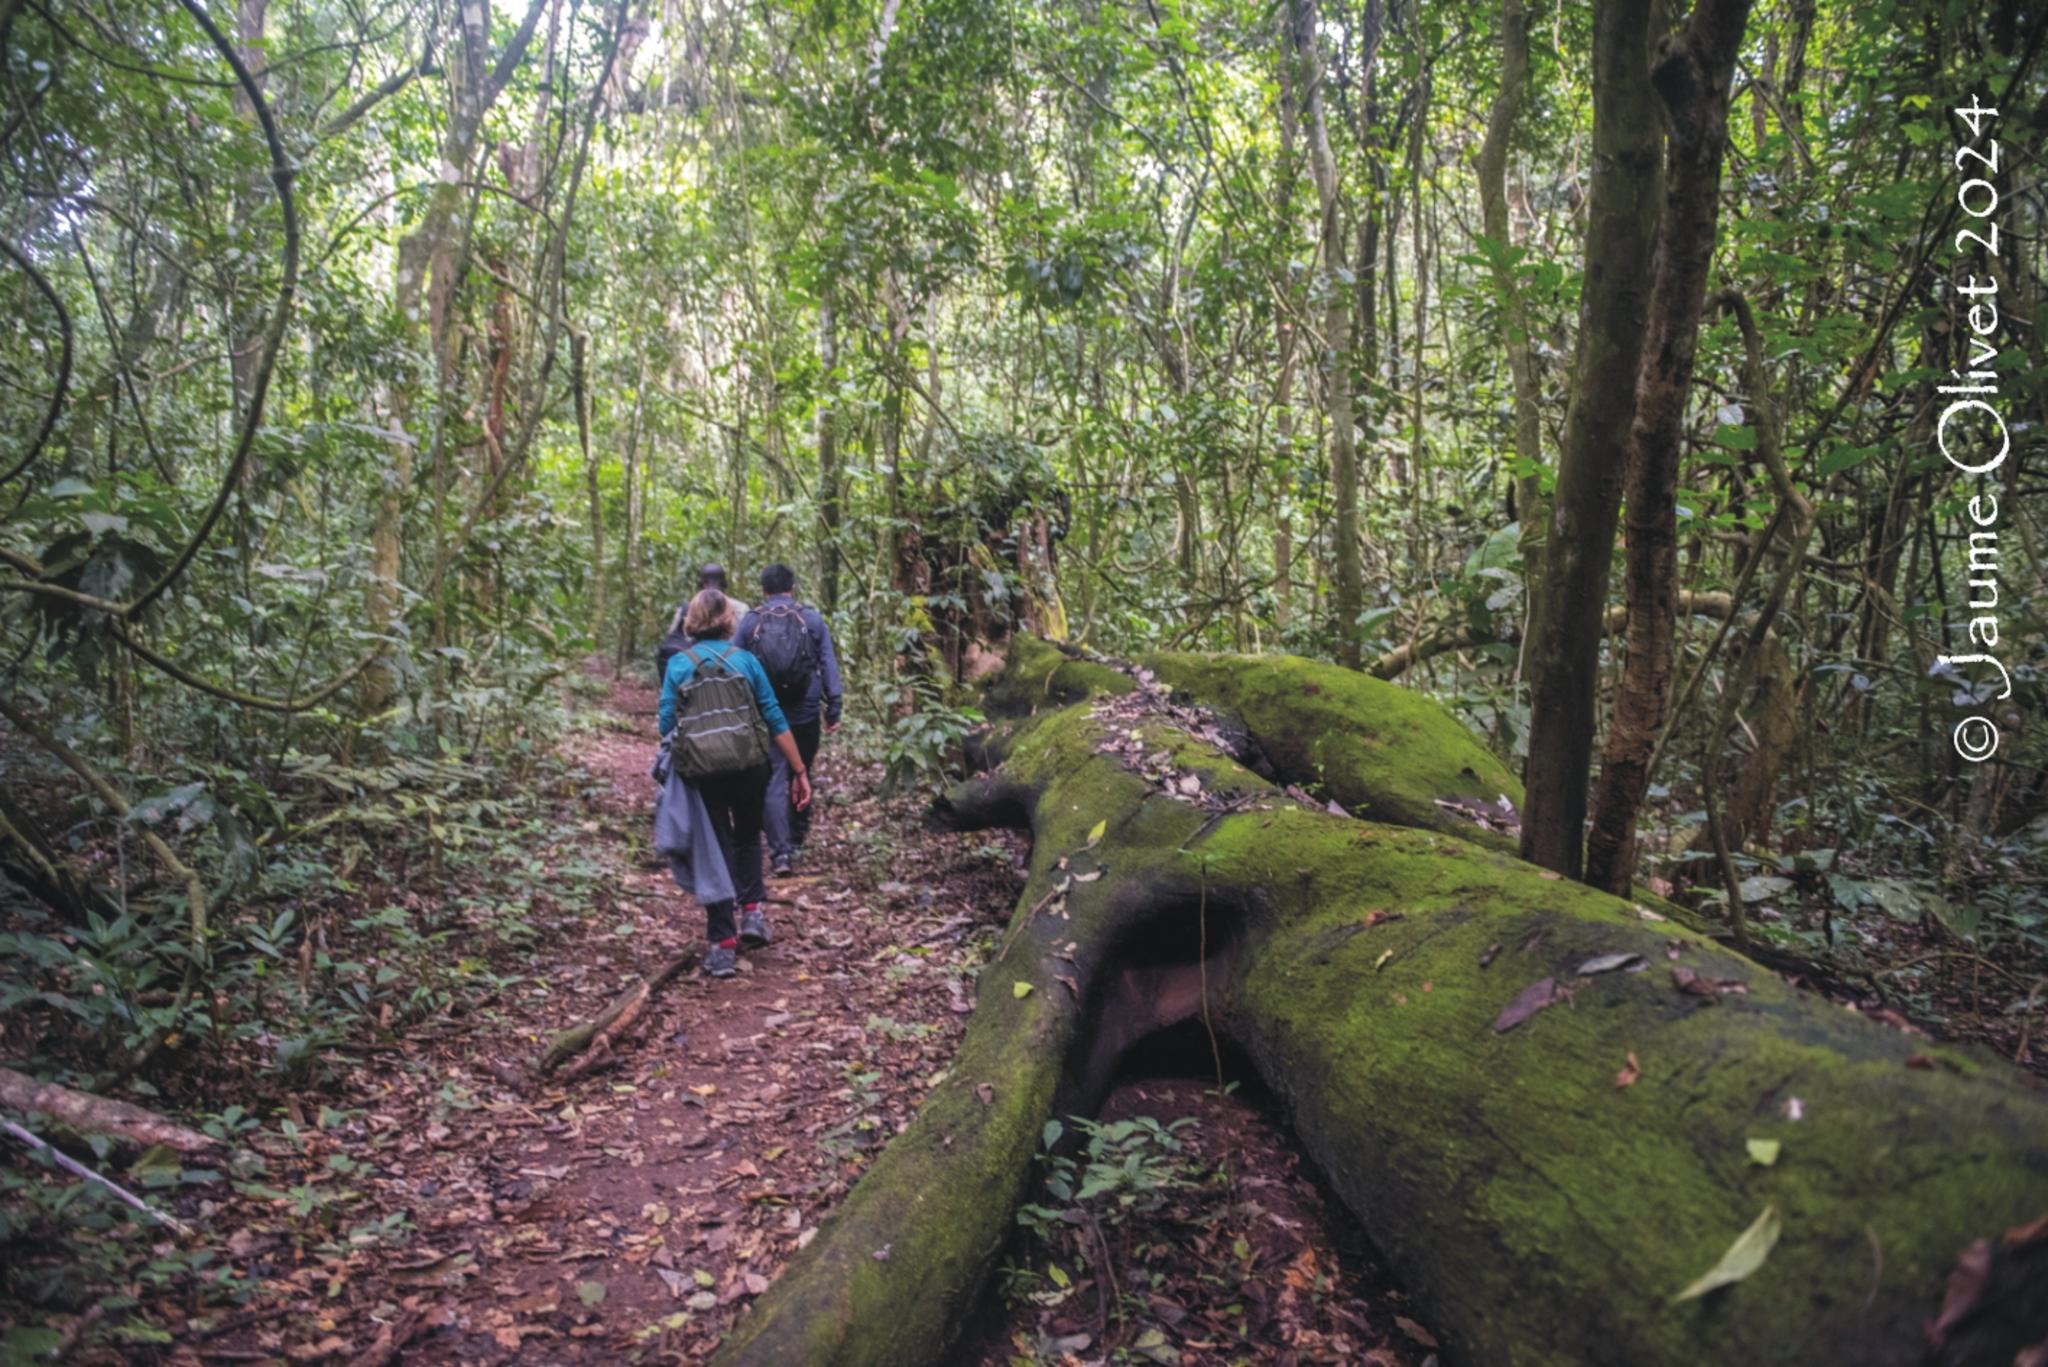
pixel 672 645
pixel 782 643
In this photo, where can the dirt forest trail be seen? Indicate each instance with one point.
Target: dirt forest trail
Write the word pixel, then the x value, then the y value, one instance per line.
pixel 632 1213
pixel 635 1209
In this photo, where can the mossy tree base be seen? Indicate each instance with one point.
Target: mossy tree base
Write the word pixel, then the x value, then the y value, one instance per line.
pixel 1541 1212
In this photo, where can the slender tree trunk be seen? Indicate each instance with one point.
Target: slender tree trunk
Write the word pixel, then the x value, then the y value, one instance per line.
pixel 1692 78
pixel 1284 339
pixel 429 259
pixel 579 374
pixel 1418 473
pixel 1336 300
pixel 828 459
pixel 1571 594
pixel 1493 205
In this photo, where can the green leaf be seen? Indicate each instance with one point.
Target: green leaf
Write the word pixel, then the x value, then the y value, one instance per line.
pixel 1743 1257
pixel 590 1293
pixel 1844 458
pixel 1095 834
pixel 1764 1152
pixel 1020 989
pixel 1735 438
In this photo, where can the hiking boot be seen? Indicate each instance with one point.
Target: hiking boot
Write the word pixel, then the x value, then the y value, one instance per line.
pixel 754 932
pixel 722 961
pixel 781 866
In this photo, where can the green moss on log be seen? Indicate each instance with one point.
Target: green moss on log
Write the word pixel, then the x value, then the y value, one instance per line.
pixel 1038 675
pixel 938 1203
pixel 1547 1216
pixel 1383 751
pixel 1543 1214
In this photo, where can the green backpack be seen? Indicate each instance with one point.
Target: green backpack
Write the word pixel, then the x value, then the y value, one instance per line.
pixel 718 729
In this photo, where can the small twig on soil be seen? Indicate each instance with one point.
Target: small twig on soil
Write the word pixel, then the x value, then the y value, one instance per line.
pixel 1108 1273
pixel 596 1035
pixel 241 1321
pixel 76 1168
pixel 75 1332
pixel 390 1339
pixel 1978 959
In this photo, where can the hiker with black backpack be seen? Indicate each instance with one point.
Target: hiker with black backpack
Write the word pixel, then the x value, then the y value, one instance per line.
pixel 711 576
pixel 719 721
pixel 794 645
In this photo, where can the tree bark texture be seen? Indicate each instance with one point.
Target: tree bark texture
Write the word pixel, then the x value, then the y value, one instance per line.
pixel 1692 77
pixel 1571 590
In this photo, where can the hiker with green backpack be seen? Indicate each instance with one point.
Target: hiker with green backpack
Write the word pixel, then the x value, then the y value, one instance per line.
pixel 719 720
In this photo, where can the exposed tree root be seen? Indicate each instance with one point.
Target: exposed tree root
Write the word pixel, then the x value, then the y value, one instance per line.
pixel 1445 1025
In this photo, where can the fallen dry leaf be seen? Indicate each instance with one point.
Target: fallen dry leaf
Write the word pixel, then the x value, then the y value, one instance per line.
pixel 1630 1072
pixel 1415 1331
pixel 1965 1285
pixel 1532 999
pixel 1700 985
pixel 2027 1233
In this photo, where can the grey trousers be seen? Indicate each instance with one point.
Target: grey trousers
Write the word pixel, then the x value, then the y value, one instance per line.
pixel 782 823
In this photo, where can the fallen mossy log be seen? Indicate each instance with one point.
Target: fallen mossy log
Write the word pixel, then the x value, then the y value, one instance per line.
pixel 1538 1100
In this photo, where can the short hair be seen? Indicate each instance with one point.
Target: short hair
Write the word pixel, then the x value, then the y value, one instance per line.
pixel 709 617
pixel 711 576
pixel 778 578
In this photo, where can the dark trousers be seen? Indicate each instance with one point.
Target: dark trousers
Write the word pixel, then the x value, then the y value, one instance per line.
pixel 786 826
pixel 734 801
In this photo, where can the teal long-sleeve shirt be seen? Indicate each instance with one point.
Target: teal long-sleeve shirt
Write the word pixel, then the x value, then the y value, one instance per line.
pixel 681 669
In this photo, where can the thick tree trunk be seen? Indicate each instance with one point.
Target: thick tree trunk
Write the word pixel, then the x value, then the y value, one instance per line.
pixel 1571 591
pixel 1539 1212
pixel 1692 76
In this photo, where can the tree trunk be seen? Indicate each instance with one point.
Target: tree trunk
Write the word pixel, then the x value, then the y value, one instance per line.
pixel 1539 1212
pixel 1571 593
pixel 828 460
pixel 1493 208
pixel 579 375
pixel 1336 325
pixel 1692 77
pixel 1288 109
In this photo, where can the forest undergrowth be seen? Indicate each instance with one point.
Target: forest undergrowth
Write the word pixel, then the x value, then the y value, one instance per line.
pixel 392 1177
